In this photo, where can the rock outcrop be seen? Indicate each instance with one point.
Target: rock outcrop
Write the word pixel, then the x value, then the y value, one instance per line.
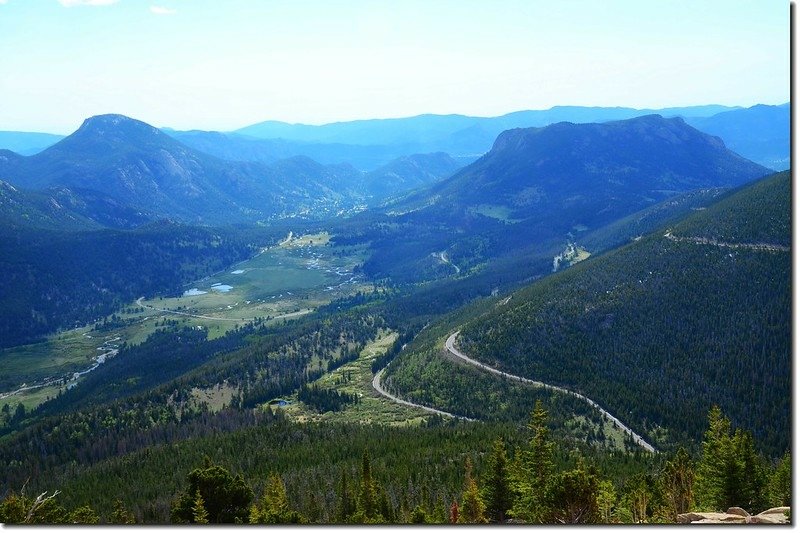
pixel 737 515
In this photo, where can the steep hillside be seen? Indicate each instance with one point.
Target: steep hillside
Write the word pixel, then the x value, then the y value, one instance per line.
pixel 659 330
pixel 64 209
pixel 760 133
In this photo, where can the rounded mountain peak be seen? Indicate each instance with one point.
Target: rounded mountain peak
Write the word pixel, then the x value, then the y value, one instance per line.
pixel 110 123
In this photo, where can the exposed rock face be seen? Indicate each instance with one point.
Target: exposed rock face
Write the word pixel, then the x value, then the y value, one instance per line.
pixel 737 515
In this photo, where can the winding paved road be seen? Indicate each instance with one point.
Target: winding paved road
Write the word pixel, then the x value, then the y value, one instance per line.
pixel 376 384
pixel 450 345
pixel 755 246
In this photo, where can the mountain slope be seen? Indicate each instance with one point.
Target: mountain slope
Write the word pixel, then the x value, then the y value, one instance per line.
pixel 571 166
pixel 410 172
pixel 138 164
pixel 760 133
pixel 64 209
pixel 539 185
pixel 665 327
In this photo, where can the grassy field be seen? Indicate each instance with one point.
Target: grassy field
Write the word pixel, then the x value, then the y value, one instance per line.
pixel 356 378
pixel 70 351
pixel 497 212
pixel 280 283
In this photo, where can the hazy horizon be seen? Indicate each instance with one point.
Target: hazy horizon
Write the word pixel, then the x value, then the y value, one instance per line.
pixel 168 127
pixel 207 65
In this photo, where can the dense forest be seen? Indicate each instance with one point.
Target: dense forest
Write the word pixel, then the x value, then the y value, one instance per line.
pixel 451 473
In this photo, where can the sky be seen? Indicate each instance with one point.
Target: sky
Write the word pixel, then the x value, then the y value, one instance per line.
pixel 225 64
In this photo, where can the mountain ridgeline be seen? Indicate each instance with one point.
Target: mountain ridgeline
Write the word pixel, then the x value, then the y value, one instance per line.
pixel 147 170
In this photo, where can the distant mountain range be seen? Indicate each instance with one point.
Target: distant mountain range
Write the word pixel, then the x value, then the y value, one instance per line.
pixel 26 143
pixel 759 133
pixel 453 129
pixel 143 168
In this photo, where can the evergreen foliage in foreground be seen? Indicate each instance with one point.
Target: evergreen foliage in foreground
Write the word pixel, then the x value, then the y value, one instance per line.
pixel 531 487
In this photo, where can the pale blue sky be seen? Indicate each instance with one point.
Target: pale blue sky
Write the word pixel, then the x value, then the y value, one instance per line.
pixel 224 64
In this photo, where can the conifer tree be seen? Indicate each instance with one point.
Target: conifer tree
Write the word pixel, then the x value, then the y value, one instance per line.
pixel 678 481
pixel 730 473
pixel 781 482
pixel 121 515
pixel 367 504
pixel 473 510
pixel 499 497
pixel 716 471
pixel 346 504
pixel 534 471
pixel 606 501
pixel 574 496
pixel 274 506
pixel 199 513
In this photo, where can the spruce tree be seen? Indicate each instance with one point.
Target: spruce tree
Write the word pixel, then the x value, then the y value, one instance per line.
pixel 534 471
pixel 781 482
pixel 499 497
pixel 274 505
pixel 473 510
pixel 678 482
pixel 730 473
pixel 199 513
pixel 367 504
pixel 346 504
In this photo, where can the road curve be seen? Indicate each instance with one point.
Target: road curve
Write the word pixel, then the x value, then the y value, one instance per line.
pixel 450 345
pixel 376 384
